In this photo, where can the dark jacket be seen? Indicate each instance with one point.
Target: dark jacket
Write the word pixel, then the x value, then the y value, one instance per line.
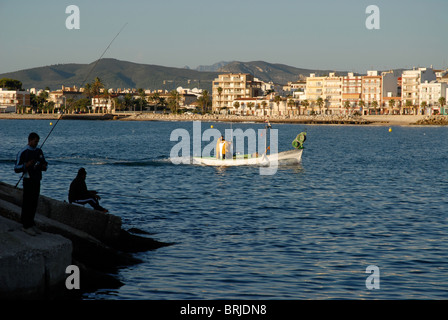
pixel 33 172
pixel 78 190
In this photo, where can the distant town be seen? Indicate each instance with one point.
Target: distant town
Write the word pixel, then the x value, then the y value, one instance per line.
pixel 420 91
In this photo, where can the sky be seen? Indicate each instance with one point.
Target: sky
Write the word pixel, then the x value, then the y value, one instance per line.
pixel 318 34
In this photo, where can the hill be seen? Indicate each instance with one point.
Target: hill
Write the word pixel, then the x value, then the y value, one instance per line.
pixel 277 73
pixel 123 74
pixel 114 74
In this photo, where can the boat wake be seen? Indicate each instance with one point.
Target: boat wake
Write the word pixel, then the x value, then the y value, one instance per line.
pixel 86 161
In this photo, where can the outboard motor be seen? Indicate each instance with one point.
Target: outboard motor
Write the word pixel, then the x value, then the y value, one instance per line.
pixel 299 140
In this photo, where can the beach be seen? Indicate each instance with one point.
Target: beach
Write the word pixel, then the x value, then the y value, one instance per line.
pixel 385 120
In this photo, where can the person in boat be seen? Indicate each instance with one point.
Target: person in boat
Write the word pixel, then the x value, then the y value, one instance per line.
pixel 221 148
pixel 78 192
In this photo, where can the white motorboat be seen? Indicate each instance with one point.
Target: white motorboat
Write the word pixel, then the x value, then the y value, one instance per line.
pixel 289 157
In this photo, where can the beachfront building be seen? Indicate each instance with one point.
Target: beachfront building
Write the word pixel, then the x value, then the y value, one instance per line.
pixel 332 94
pixel 314 92
pixel 429 97
pixel 375 87
pixel 351 92
pixel 411 80
pixel 231 86
pixel 187 99
pixel 103 103
pixel 11 100
pixel 371 92
pixel 59 97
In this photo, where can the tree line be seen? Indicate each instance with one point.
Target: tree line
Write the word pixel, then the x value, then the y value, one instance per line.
pixel 127 102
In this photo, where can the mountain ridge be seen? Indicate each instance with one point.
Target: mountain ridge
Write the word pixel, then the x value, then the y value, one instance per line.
pixel 125 74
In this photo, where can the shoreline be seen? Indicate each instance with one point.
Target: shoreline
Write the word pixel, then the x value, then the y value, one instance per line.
pixel 369 120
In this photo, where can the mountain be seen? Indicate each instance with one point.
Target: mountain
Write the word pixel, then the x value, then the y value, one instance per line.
pixel 277 73
pixel 114 74
pixel 123 74
pixel 214 67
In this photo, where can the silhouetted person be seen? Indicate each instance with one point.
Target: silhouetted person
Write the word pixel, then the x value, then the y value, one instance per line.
pixel 31 162
pixel 79 194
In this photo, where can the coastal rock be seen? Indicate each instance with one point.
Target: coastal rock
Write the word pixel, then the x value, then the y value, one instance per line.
pixel 434 120
pixel 98 244
pixel 31 266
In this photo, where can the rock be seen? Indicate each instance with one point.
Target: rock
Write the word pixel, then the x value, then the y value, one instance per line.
pixel 93 240
pixel 31 266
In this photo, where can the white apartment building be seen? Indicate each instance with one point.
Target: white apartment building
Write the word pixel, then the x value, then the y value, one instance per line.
pixel 332 93
pixel 328 88
pixel 314 89
pixel 411 79
pixel 11 99
pixel 430 93
pixel 231 86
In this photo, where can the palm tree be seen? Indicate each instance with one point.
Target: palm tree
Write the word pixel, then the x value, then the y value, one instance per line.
pixel 263 105
pixel 155 98
pixel 42 100
pixel 442 102
pixel 106 96
pixel 423 105
pixel 305 103
pixel 354 106
pixel 391 106
pixel 291 105
pixel 250 105
pixel 219 97
pixel 70 103
pixel 236 105
pixel 97 86
pixel 50 107
pixel 347 105
pixel 118 104
pixel 320 104
pixel 204 101
pixel 162 103
pixel 277 100
pixel 375 106
pixel 408 103
pixel 174 100
pixel 362 104
pixel 128 101
pixel 327 104
pixel 142 95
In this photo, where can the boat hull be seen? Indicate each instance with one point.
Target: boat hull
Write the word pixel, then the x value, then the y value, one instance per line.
pixel 291 156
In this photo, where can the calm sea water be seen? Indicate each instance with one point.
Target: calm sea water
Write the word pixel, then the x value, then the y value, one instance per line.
pixel 361 196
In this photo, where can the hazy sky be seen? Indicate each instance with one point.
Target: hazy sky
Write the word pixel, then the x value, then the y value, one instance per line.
pixel 323 34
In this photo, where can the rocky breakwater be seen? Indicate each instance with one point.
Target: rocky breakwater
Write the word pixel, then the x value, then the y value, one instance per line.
pixel 35 266
pixel 301 119
pixel 433 120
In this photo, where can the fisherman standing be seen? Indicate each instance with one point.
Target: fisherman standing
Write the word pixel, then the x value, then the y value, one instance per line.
pixel 31 162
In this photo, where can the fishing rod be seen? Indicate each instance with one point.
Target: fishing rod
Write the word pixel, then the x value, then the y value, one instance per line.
pixel 82 84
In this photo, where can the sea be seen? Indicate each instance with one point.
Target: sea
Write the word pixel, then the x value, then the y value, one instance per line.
pixel 363 216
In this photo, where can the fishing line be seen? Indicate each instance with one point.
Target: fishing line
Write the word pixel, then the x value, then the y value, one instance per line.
pixel 82 84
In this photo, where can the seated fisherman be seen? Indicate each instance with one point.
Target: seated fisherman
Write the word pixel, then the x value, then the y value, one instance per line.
pixel 79 194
